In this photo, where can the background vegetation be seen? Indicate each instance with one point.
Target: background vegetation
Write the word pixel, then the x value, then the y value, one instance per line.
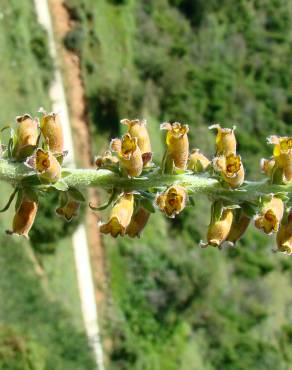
pixel 198 62
pixel 40 320
pixel 175 307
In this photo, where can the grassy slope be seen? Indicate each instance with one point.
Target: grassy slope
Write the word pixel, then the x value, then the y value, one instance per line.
pixel 43 312
pixel 175 306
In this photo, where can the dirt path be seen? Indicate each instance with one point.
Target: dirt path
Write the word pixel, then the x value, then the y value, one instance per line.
pixel 90 294
pixel 81 136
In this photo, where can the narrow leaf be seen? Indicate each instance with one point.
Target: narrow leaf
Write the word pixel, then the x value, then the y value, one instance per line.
pixel 60 185
pixel 105 205
pixel 76 194
pixel 18 200
pixel 9 201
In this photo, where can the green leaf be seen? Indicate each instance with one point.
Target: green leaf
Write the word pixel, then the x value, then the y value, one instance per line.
pixel 18 200
pixel 217 209
pixel 105 205
pixel 31 180
pixel 63 199
pixel 12 196
pixel 282 195
pixel 148 205
pixel 249 209
pixel 60 185
pixel 31 194
pixel 66 173
pixel 76 195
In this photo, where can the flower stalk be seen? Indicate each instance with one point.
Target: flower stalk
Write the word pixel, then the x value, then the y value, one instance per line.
pixel 138 186
pixel 14 173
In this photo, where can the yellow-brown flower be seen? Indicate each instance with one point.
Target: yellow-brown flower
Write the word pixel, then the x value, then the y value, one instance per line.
pixel 69 211
pixel 137 128
pixel 24 217
pixel 177 143
pixel 198 162
pixel 283 154
pixel 47 166
pixel 238 228
pixel 267 165
pixel 270 216
pixel 27 135
pixel 129 153
pixel 231 169
pixel 284 237
pixel 138 222
pixel 120 217
pixel 172 201
pixel 219 230
pixel 225 140
pixel 106 160
pixel 52 131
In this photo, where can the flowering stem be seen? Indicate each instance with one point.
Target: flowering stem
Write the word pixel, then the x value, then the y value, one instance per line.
pixel 14 173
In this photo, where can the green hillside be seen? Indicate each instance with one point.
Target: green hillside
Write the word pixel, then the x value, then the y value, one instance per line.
pixel 176 306
pixel 41 326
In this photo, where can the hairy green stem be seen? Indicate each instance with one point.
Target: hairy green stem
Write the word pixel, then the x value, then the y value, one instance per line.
pixel 14 173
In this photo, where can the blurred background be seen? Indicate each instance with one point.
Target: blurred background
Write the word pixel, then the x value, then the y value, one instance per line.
pixel 163 303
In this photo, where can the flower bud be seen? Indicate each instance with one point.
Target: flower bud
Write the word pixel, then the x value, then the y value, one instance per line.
pixel 52 131
pixel 138 222
pixel 138 129
pixel 129 154
pixel 24 217
pixel 120 217
pixel 270 216
pixel 238 228
pixel 225 140
pixel 284 237
pixel 197 161
pixel 172 201
pixel 231 169
pixel 177 143
pixel 219 229
pixel 107 160
pixel 283 154
pixel 267 166
pixel 69 211
pixel 27 136
pixel 47 166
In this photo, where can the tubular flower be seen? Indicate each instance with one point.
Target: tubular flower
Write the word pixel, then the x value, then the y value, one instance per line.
pixel 219 230
pixel 267 166
pixel 51 128
pixel 47 166
pixel 231 169
pixel 129 153
pixel 238 228
pixel 225 140
pixel 284 237
pixel 198 162
pixel 27 136
pixel 138 222
pixel 283 154
pixel 270 216
pixel 172 201
pixel 177 143
pixel 120 217
pixel 69 211
pixel 106 160
pixel 24 217
pixel 137 128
